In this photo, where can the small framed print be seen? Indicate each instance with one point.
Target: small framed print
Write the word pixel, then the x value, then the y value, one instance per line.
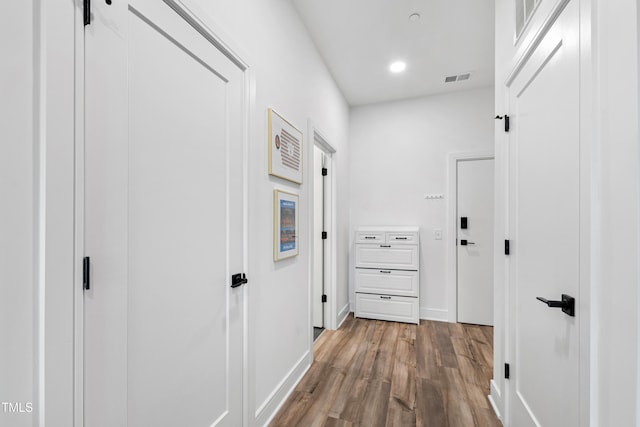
pixel 285 225
pixel 285 149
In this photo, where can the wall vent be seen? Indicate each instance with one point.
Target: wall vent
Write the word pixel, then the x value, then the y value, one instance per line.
pixel 457 78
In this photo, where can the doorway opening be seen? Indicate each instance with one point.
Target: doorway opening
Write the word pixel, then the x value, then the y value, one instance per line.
pixel 323 241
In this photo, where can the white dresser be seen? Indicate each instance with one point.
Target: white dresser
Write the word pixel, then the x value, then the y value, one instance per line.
pixel 387 279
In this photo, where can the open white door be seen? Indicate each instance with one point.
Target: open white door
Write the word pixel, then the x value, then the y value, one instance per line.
pixel 318 241
pixel 164 222
pixel 475 241
pixel 544 144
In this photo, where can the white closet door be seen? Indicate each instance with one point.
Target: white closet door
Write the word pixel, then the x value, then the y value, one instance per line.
pixel 475 256
pixel 164 208
pixel 544 145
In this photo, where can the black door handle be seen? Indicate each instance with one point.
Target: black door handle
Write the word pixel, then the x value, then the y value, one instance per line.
pixel 464 242
pixel 238 280
pixel 567 304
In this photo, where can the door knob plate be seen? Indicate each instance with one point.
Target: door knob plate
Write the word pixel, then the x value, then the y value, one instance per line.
pixel 567 304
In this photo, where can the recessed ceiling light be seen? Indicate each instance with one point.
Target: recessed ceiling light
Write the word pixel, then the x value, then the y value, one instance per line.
pixel 397 67
pixel 414 17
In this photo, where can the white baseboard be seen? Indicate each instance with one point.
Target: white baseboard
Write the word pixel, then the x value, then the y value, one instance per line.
pixel 437 314
pixel 342 315
pixel 269 408
pixel 495 398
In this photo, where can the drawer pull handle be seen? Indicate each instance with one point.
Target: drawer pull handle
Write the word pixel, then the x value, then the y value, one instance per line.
pixel 385 271
pixel 401 238
pixel 369 237
pixel 385 246
pixel 384 297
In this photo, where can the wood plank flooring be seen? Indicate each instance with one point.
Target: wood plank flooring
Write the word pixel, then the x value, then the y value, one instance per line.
pixel 373 373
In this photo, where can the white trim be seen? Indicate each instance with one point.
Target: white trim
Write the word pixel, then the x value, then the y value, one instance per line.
pixel 269 408
pixel 213 33
pixel 542 31
pixel 589 130
pixel 435 314
pixel 495 398
pixel 53 147
pixel 343 314
pixel 452 190
pixel 79 189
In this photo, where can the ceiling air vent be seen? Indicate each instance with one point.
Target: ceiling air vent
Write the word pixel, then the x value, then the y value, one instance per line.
pixel 457 78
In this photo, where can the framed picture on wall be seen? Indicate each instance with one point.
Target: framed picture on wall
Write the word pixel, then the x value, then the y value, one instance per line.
pixel 286 209
pixel 285 149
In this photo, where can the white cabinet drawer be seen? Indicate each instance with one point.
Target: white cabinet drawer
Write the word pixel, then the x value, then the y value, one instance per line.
pixel 387 307
pixel 400 257
pixel 370 237
pixel 381 281
pixel 408 238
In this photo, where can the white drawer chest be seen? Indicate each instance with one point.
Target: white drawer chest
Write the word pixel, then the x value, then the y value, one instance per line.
pixel 387 280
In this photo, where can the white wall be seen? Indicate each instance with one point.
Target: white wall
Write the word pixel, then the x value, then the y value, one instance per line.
pixel 398 153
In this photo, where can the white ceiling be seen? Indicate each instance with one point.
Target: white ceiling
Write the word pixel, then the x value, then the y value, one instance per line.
pixel 359 39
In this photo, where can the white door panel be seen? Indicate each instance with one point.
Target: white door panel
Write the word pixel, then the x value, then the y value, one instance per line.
pixel 544 223
pixel 318 249
pixel 475 260
pixel 164 209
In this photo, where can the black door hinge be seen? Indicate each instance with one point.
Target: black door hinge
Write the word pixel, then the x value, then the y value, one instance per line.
pixel 507 250
pixel 324 171
pixel 507 372
pixel 506 122
pixel 324 298
pixel 86 273
pixel 87 12
pixel 324 235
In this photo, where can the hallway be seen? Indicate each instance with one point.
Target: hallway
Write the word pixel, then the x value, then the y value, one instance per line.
pixel 376 373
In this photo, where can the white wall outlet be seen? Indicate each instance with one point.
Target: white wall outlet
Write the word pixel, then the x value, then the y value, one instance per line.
pixel 437 233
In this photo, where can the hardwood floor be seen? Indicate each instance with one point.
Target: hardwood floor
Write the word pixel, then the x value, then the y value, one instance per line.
pixel 373 373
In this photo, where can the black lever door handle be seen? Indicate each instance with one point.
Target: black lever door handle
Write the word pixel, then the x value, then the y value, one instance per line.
pixel 238 280
pixel 464 242
pixel 567 304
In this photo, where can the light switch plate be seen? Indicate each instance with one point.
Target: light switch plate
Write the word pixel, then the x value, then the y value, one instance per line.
pixel 437 233
pixel 434 196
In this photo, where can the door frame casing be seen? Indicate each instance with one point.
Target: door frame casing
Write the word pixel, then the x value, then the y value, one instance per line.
pixel 317 138
pixel 221 41
pixel 451 235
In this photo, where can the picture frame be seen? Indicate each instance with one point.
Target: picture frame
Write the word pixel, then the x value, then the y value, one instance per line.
pixel 286 148
pixel 286 212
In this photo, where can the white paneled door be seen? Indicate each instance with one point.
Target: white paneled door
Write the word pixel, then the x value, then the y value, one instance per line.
pixel 475 241
pixel 163 329
pixel 544 218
